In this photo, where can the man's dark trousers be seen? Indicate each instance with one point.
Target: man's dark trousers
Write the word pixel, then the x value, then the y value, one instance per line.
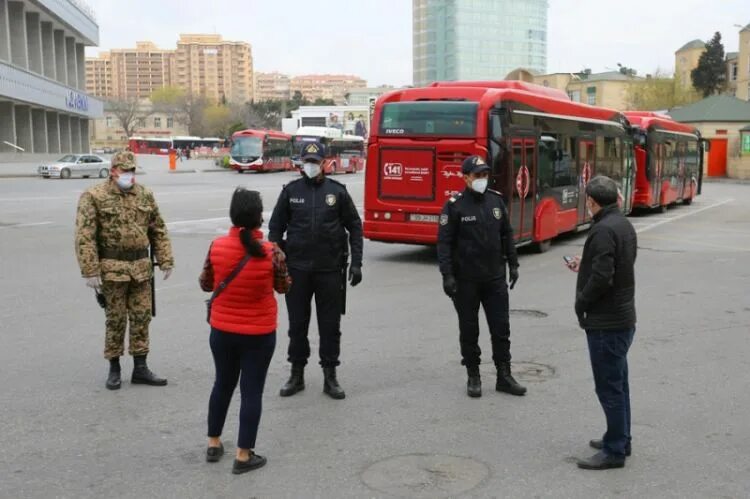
pixel 326 287
pixel 493 296
pixel 608 350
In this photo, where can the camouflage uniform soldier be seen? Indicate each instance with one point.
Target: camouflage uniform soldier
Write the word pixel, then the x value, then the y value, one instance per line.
pixel 116 223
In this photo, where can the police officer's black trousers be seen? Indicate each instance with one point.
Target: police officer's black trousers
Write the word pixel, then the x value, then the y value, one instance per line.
pixel 493 296
pixel 326 288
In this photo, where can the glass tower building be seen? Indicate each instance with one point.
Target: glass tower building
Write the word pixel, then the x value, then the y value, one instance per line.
pixel 477 39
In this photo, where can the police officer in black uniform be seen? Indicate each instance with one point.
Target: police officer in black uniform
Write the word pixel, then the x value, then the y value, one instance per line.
pixel 475 242
pixel 321 223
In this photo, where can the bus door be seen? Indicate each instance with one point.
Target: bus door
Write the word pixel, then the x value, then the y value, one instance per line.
pixel 682 181
pixel 586 169
pixel 523 185
pixel 628 180
pixel 657 172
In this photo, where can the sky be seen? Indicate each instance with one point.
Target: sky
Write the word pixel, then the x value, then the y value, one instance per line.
pixel 372 38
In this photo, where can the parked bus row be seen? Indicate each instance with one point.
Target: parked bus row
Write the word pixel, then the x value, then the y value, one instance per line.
pixel 267 150
pixel 164 145
pixel 543 150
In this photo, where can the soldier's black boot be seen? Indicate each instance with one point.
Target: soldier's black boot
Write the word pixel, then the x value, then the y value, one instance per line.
pixel 474 385
pixel 331 385
pixel 113 380
pixel 296 382
pixel 505 381
pixel 142 375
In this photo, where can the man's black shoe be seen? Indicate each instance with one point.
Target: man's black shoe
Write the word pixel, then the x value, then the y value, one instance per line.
pixel 598 444
pixel 474 387
pixel 251 464
pixel 331 385
pixel 296 382
pixel 113 380
pixel 505 381
pixel 142 375
pixel 601 461
pixel 213 454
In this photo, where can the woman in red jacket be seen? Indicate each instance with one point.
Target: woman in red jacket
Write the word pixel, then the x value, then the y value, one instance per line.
pixel 243 324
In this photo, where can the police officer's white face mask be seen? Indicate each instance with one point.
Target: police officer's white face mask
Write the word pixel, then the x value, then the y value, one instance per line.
pixel 125 180
pixel 312 170
pixel 479 185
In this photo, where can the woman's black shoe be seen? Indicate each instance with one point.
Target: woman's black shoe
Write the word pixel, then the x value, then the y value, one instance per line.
pixel 251 464
pixel 213 454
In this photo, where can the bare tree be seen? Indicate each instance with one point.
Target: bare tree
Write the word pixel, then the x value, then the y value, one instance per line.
pixel 127 111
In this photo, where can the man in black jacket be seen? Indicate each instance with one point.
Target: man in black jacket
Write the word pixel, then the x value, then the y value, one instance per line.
pixel 321 223
pixel 475 243
pixel 605 306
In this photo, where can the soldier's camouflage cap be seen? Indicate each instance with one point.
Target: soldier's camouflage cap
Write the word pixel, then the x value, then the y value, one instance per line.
pixel 125 160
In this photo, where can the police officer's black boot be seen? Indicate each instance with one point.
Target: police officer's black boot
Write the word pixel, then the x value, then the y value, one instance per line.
pixel 113 380
pixel 505 381
pixel 142 375
pixel 474 385
pixel 296 382
pixel 331 385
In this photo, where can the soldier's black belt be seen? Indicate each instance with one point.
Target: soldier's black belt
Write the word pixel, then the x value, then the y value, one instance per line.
pixel 125 255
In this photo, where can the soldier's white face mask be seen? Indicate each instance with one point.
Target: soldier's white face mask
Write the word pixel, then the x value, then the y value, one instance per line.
pixel 126 180
pixel 312 170
pixel 479 185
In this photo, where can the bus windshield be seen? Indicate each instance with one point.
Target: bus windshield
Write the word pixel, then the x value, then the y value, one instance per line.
pixel 247 147
pixel 435 118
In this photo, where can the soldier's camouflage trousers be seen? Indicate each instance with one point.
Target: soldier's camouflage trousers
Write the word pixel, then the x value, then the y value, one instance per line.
pixel 127 302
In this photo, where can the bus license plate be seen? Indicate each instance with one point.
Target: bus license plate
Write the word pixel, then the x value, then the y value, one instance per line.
pixel 418 217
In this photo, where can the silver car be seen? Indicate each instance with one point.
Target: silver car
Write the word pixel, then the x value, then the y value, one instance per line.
pixel 76 165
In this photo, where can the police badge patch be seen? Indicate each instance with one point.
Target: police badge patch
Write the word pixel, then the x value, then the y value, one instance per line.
pixel 497 213
pixel 330 199
pixel 443 219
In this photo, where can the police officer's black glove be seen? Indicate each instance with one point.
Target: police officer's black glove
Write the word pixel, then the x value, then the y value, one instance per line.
pixel 513 276
pixel 449 285
pixel 355 276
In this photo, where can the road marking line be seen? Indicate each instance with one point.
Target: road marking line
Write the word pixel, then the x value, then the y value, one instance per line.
pixel 198 220
pixel 682 240
pixel 15 226
pixel 684 215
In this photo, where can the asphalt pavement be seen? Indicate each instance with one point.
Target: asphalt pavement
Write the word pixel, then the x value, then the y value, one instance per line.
pixel 406 428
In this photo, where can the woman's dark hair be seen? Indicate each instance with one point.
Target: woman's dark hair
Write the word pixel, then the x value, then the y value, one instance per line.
pixel 246 212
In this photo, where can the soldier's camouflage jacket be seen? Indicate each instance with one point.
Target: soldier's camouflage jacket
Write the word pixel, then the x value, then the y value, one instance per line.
pixel 109 218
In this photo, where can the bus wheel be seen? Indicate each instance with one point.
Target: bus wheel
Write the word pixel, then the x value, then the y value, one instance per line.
pixel 543 246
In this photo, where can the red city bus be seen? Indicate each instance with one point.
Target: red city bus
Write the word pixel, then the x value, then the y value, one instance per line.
pixel 260 151
pixel 345 155
pixel 669 156
pixel 543 149
pixel 146 145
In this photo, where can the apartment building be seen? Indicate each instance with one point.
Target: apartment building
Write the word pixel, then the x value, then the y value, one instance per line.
pixel 205 65
pixel 326 86
pixel 271 86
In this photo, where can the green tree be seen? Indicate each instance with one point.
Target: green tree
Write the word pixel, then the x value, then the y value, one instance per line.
pixel 709 77
pixel 217 119
pixel 658 92
pixel 323 102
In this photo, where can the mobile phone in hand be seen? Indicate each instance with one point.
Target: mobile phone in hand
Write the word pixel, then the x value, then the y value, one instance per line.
pixel 568 259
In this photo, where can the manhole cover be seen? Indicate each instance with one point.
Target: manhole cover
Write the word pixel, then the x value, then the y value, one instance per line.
pixel 521 312
pixel 425 475
pixel 528 372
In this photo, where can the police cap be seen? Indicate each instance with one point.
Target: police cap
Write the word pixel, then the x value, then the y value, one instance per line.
pixel 474 164
pixel 313 150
